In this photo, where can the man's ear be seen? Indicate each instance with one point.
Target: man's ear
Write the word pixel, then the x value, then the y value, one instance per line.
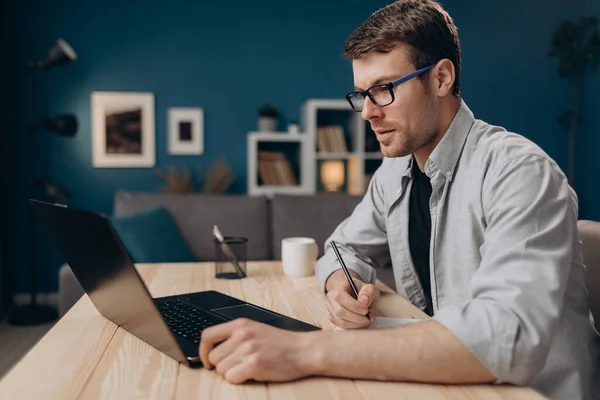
pixel 444 76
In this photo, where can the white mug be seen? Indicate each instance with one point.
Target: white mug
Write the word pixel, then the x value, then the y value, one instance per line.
pixel 299 256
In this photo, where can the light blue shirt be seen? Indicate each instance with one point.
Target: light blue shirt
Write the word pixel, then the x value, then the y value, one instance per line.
pixel 507 273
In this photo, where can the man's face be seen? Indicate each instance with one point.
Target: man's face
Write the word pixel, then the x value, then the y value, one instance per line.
pixel 412 120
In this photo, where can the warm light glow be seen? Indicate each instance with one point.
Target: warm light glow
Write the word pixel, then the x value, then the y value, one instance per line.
pixel 332 175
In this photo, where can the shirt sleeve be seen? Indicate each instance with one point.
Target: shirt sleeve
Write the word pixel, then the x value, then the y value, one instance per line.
pixel 361 238
pixel 518 290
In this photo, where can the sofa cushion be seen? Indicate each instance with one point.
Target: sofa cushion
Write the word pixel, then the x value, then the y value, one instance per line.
pixel 589 233
pixel 151 236
pixel 195 215
pixel 311 216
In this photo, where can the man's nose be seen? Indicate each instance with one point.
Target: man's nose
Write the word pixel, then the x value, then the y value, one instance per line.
pixel 369 110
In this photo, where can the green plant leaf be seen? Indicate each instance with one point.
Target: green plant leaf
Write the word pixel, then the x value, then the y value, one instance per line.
pixel 268 110
pixel 576 46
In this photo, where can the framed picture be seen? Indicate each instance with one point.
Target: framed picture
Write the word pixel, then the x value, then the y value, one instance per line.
pixel 123 132
pixel 186 130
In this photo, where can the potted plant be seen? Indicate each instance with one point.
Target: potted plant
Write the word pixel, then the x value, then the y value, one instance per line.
pixel 268 116
pixel 293 127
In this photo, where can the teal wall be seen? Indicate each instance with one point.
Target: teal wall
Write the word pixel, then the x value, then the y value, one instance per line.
pixel 229 57
pixel 588 138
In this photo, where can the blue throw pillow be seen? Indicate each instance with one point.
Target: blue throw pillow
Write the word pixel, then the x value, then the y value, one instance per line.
pixel 152 236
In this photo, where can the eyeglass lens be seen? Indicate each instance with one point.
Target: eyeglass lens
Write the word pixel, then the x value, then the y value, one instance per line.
pixel 380 96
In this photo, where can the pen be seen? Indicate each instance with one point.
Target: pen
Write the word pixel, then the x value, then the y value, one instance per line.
pixel 350 280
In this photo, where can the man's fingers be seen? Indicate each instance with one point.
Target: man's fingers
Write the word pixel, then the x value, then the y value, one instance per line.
pixel 350 325
pixel 341 322
pixel 230 361
pixel 213 335
pixel 240 372
pixel 347 315
pixel 368 294
pixel 347 301
pixel 359 321
pixel 220 352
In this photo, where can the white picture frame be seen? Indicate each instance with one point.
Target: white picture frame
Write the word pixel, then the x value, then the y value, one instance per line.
pixel 123 130
pixel 185 131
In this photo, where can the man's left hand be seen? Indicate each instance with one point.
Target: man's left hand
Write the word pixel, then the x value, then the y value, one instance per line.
pixel 244 350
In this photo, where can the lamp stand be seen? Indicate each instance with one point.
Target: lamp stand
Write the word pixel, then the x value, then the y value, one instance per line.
pixel 32 313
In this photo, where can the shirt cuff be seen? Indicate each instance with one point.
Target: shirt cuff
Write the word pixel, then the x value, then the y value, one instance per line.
pixel 489 332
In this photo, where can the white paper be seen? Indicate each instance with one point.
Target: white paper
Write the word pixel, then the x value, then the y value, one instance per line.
pixel 385 322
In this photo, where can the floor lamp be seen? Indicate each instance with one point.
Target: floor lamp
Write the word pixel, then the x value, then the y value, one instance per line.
pixel 66 125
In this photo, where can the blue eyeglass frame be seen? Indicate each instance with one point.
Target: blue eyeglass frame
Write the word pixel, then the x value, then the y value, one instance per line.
pixel 389 86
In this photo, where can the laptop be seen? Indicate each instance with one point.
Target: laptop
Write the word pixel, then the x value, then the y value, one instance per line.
pixel 173 324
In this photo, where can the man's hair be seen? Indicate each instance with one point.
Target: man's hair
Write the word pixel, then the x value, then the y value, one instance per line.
pixel 423 25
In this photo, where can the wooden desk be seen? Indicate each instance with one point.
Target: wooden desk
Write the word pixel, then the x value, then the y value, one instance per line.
pixel 86 356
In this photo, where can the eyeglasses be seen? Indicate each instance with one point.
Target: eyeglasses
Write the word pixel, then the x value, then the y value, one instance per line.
pixel 382 94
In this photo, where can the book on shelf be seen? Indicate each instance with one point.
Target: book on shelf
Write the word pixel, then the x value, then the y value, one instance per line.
pixel 331 139
pixel 275 169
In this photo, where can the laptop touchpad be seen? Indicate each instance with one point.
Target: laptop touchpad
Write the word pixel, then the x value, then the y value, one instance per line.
pixel 245 311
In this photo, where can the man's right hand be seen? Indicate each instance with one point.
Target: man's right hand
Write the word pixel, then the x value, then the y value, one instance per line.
pixel 345 311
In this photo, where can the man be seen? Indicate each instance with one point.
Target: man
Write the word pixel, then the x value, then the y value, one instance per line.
pixel 478 223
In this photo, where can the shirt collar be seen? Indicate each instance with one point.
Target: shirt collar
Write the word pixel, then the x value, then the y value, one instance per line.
pixel 446 154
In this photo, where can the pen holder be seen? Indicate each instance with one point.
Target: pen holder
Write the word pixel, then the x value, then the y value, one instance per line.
pixel 224 265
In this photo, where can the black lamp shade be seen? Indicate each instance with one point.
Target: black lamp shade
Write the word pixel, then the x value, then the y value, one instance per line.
pixel 65 125
pixel 61 53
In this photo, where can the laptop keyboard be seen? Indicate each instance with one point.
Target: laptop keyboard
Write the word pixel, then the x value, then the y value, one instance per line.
pixel 185 320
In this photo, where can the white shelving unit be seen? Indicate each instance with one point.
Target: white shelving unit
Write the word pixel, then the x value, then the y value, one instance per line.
pixel 355 130
pixel 316 113
pixel 306 165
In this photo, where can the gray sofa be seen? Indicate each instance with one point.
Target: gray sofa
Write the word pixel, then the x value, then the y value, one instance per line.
pixel 265 222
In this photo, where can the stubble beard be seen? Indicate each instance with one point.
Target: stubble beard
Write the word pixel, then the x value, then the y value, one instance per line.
pixel 401 147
